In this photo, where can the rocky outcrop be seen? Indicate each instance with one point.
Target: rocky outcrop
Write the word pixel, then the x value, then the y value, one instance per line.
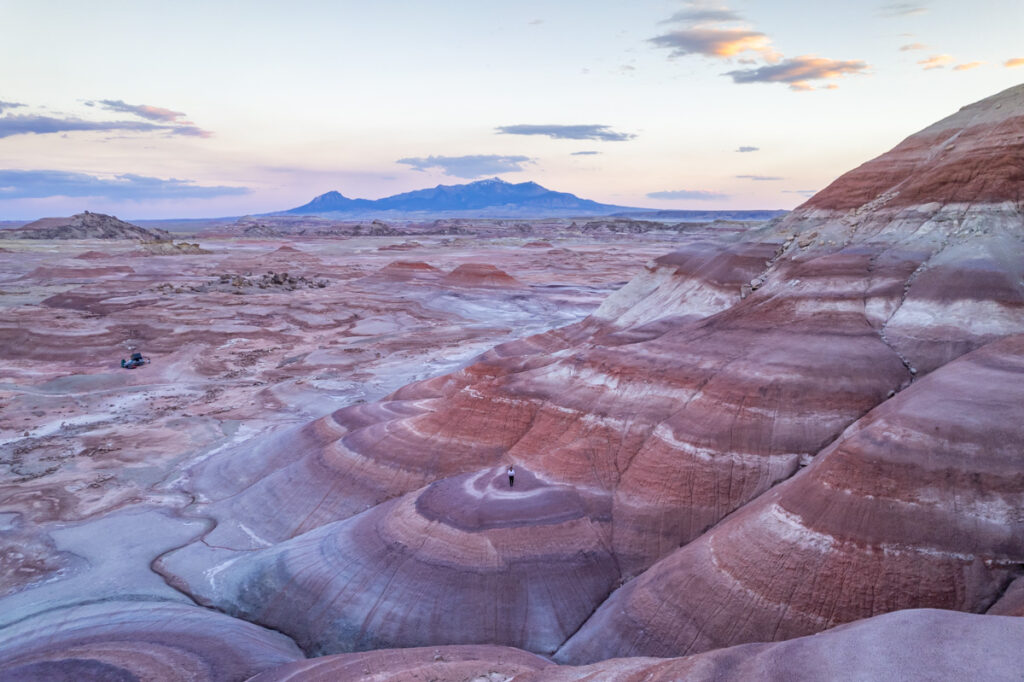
pixel 84 226
pixel 171 248
pixel 235 283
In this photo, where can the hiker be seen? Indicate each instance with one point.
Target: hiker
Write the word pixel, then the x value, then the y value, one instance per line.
pixel 511 476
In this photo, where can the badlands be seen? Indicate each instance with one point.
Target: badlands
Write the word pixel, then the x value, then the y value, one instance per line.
pixel 792 451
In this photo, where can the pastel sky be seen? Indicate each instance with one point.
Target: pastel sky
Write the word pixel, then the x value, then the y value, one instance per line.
pixel 216 108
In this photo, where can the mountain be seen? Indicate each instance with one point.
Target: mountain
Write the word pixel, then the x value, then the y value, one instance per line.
pixel 329 202
pixel 699 216
pixel 484 198
pixel 84 226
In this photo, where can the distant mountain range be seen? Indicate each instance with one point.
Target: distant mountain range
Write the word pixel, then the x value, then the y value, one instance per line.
pixel 698 216
pixel 492 198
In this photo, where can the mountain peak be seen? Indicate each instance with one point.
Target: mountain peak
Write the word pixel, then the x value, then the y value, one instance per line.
pixel 491 197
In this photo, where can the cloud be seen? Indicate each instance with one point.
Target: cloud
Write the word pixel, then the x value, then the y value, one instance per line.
pixel 716 42
pixel 44 125
pixel 567 132
pixel 967 66
pixel 745 150
pixel 697 194
pixel 535 22
pixel 901 9
pixel 913 46
pixel 9 105
pixel 759 178
pixel 472 166
pixel 584 153
pixel 801 192
pixel 936 61
pixel 143 110
pixel 700 15
pixel 1016 61
pixel 21 184
pixel 799 70
pixel 705 35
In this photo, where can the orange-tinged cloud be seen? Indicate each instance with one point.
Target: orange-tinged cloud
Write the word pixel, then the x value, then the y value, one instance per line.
pixel 936 61
pixel 796 72
pixel 717 42
pixel 1016 61
pixel 706 35
pixel 912 46
pixel 968 66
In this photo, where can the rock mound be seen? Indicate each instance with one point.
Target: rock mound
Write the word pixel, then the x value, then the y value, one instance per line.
pixel 462 560
pixel 403 270
pixel 85 226
pixel 170 248
pixel 479 275
pixel 403 246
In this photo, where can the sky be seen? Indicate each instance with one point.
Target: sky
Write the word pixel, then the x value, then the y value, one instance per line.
pixel 200 109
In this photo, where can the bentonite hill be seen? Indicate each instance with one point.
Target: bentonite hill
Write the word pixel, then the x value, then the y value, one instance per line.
pixel 84 225
pixel 794 452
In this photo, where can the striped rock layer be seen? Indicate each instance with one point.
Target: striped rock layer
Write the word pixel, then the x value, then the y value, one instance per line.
pixel 916 505
pixel 130 641
pixel 757 438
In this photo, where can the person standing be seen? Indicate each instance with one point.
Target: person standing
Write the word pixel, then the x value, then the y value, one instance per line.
pixel 511 476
